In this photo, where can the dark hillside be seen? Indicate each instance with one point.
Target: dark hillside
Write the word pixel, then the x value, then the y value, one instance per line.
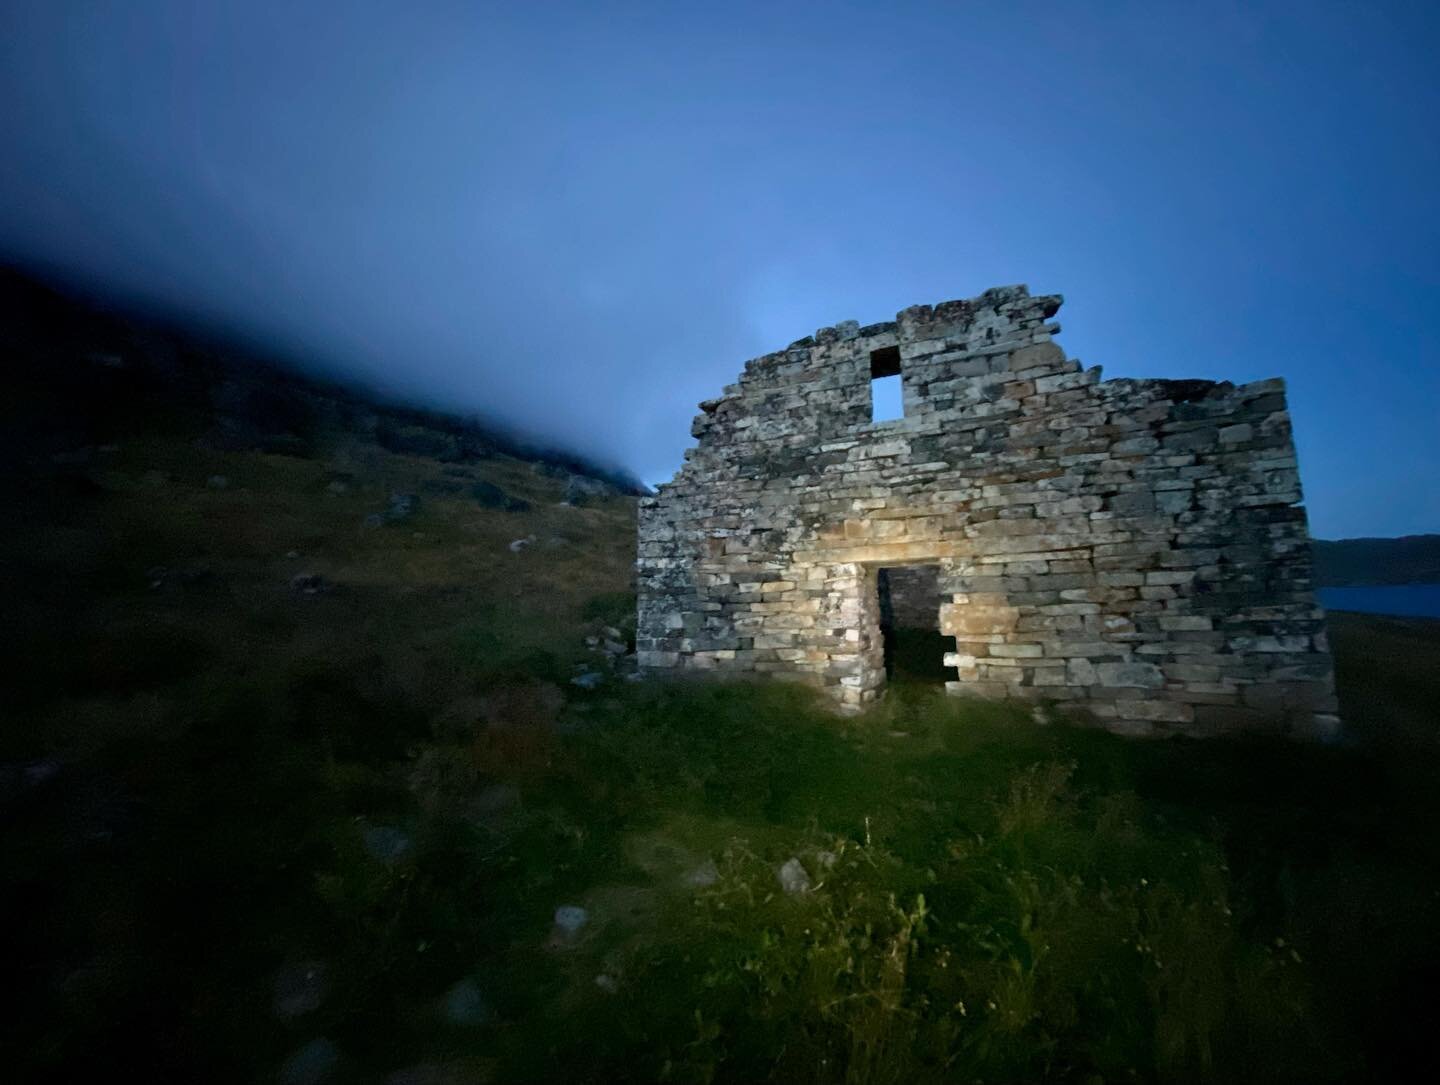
pixel 79 374
pixel 1410 559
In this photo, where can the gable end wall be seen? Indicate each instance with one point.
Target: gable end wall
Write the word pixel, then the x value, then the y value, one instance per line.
pixel 1135 548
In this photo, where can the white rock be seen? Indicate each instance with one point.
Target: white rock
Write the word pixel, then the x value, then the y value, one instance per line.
pixel 793 878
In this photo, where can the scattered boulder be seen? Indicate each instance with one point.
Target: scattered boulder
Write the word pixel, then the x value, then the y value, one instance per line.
pixel 570 919
pixel 496 807
pixel 339 488
pixel 300 989
pixel 164 578
pixel 312 1064
pixel 793 878
pixel 461 1071
pixel 588 680
pixel 217 482
pixel 497 799
pixel 464 1005
pixel 491 496
pixel 309 584
pixel 374 519
pixel 522 544
pixel 402 507
pixel 702 876
pixel 16 780
pixel 582 490
pixel 607 983
pixel 386 843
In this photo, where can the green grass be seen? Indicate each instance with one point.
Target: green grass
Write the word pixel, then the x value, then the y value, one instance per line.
pixel 991 900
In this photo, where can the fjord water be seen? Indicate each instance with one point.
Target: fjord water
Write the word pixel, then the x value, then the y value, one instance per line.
pixel 1401 600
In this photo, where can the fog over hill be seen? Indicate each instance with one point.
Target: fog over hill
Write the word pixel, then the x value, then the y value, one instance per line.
pixel 76 368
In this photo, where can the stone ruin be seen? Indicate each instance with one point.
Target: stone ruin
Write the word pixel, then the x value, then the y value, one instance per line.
pixel 1133 550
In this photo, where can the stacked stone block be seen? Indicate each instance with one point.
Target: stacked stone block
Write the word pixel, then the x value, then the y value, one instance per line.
pixel 1132 548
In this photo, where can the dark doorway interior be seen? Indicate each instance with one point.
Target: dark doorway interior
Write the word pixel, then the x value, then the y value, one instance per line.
pixel 910 623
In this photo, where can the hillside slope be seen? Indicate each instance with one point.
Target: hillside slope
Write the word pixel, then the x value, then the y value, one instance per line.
pixel 1410 559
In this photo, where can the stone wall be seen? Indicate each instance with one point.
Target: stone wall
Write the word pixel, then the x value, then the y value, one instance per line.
pixel 1132 548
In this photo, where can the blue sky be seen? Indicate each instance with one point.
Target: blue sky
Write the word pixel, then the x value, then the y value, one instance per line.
pixel 582 219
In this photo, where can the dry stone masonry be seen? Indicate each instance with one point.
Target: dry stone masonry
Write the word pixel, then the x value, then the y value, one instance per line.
pixel 1134 549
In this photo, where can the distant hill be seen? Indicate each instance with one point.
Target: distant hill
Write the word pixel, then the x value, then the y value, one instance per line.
pixel 78 373
pixel 1410 559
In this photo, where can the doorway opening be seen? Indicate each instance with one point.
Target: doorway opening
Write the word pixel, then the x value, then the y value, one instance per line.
pixel 910 625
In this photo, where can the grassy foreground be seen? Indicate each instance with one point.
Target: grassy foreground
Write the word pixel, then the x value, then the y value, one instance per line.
pixel 255 833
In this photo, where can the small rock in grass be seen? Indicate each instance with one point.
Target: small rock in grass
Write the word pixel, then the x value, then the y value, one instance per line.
pixel 793 878
pixel 607 983
pixel 338 488
pixel 217 482
pixel 498 797
pixel 386 843
pixel 522 544
pixel 588 680
pixel 299 989
pixel 703 876
pixel 374 520
pixel 465 1005
pixel 581 490
pixel 20 778
pixel 311 1064
pixel 569 918
pixel 826 859
pixel 402 507
pixel 308 583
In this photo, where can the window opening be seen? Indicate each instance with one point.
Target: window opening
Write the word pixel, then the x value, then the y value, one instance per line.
pixel 887 397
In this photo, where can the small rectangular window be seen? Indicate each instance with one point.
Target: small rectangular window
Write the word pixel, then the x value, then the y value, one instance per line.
pixel 887 399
